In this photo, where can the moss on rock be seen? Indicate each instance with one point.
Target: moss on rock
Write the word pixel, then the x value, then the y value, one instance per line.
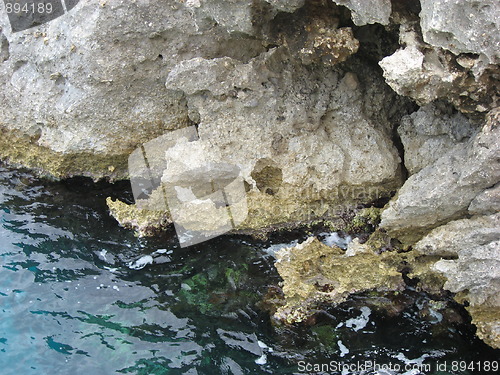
pixel 145 222
pixel 487 321
pixel 21 149
pixel 315 273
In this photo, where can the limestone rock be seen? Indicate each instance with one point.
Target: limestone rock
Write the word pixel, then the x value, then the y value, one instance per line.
pixel 444 190
pixel 459 235
pixel 144 222
pixel 91 82
pixel 426 73
pixel 486 202
pixel 487 321
pixel 310 133
pixel 467 26
pixel 368 11
pixel 313 34
pixel 314 273
pixel 473 272
pixel 430 133
pixel 286 6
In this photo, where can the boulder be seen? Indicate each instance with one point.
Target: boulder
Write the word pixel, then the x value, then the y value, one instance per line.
pixel 466 26
pixel 443 190
pixel 471 265
pixel 430 133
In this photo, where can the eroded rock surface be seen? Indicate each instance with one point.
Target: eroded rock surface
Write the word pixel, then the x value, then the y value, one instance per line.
pixel 430 133
pixel 466 26
pixel 316 273
pixel 291 94
pixel 368 11
pixel 474 273
pixel 487 202
pixel 426 73
pixel 443 191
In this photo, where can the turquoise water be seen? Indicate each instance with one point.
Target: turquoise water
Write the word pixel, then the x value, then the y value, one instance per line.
pixel 75 300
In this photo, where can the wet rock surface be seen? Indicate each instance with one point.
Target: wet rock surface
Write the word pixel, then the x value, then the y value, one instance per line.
pixel 471 248
pixel 316 273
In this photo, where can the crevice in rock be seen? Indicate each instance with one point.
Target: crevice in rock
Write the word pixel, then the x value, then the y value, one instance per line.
pixel 376 42
pixel 4 48
pixel 318 32
pixel 396 140
pixel 409 9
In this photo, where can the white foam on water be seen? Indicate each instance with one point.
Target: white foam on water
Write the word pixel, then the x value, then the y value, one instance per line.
pixel 334 239
pixel 262 345
pixel 412 372
pixel 273 249
pixel 162 251
pixel 141 262
pixel 343 348
pixel 416 361
pixel 361 321
pixel 262 360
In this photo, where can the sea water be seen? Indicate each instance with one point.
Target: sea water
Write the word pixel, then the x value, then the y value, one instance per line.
pixel 80 295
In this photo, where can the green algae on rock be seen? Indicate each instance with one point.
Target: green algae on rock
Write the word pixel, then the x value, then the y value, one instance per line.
pixel 315 273
pixel 487 321
pixel 144 222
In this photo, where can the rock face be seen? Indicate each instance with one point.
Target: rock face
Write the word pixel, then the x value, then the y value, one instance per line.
pixel 425 73
pixel 368 11
pixel 90 87
pixel 474 274
pixel 468 26
pixel 259 79
pixel 443 191
pixel 487 202
pixel 313 108
pixel 430 133
pixel 304 138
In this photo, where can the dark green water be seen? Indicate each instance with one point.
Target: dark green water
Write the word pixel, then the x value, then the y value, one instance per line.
pixel 71 302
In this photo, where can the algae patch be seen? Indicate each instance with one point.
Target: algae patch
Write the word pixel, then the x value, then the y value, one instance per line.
pixel 315 273
pixel 144 222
